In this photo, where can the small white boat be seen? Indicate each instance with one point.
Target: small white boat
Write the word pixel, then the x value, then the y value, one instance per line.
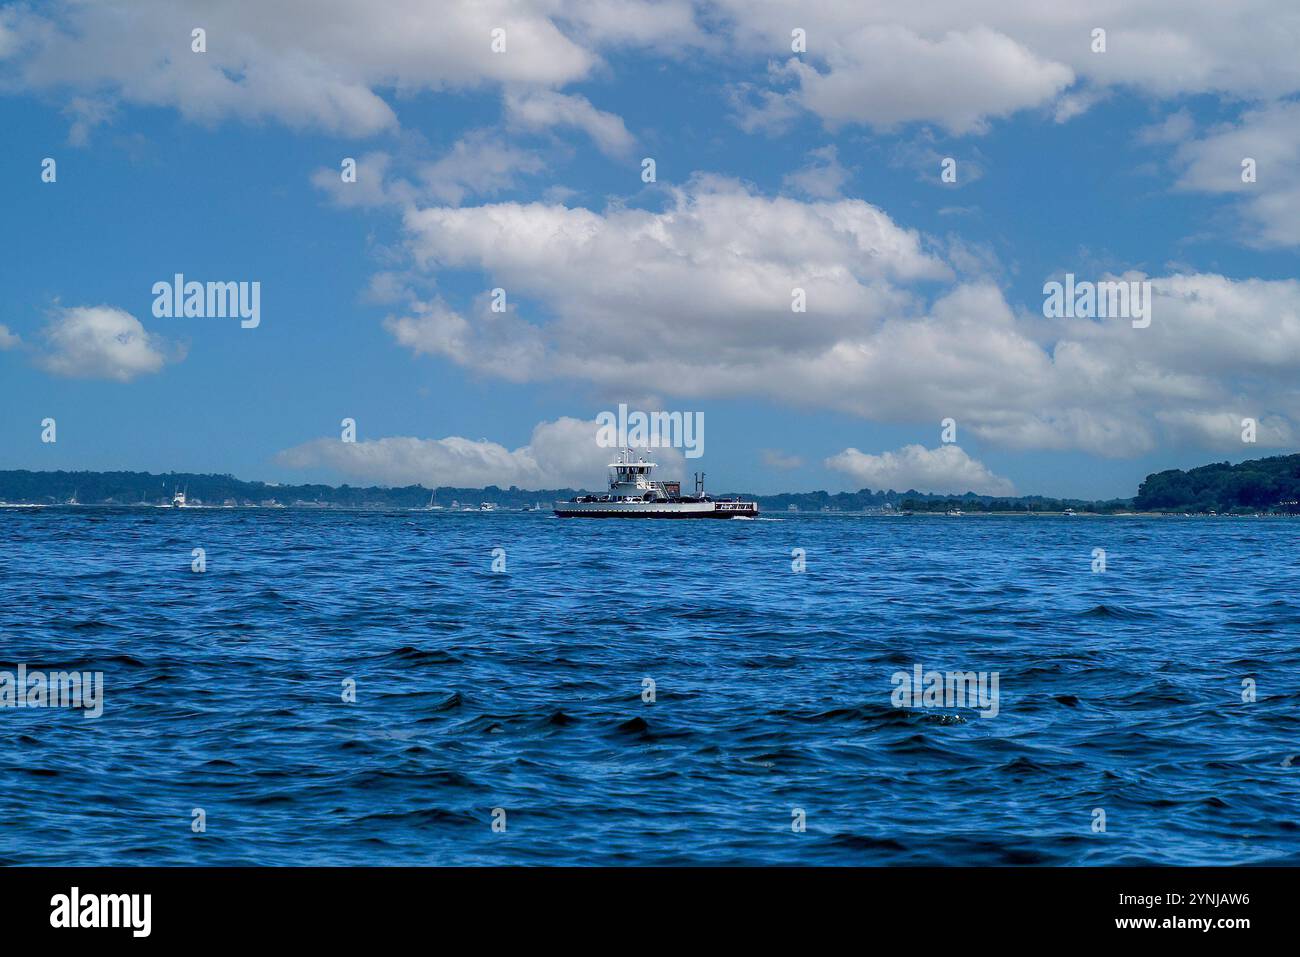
pixel 178 499
pixel 486 507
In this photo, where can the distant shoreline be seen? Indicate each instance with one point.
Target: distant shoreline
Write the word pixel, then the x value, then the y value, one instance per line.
pixel 547 510
pixel 1260 486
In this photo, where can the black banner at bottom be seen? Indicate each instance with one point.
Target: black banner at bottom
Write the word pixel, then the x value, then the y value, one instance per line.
pixel 619 907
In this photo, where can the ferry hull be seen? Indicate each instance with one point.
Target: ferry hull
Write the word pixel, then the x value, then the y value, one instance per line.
pixel 656 510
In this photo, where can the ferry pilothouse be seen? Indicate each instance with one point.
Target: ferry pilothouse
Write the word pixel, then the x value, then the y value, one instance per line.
pixel 632 494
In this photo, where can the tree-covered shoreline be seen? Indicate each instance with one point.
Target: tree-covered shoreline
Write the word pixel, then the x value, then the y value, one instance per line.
pixel 1270 485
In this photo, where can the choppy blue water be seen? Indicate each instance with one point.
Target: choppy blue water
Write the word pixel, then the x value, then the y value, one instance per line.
pixel 522 690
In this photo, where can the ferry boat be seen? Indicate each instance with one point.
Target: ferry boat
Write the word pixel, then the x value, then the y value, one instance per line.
pixel 633 494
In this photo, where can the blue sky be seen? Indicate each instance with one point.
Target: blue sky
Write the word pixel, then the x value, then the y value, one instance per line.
pixel 522 170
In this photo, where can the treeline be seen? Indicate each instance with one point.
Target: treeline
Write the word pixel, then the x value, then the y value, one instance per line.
pixel 1271 484
pixel 1026 503
pixel 866 500
pixel 1261 485
pixel 134 488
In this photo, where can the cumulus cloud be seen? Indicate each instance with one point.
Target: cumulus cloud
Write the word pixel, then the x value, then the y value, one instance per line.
pixel 947 469
pixel 560 454
pixel 886 74
pixel 482 163
pixel 1224 430
pixel 1212 163
pixel 956 63
pixel 498 344
pixel 961 63
pixel 101 342
pixel 710 275
pixel 710 278
pixel 544 109
pixel 321 64
pixel 822 177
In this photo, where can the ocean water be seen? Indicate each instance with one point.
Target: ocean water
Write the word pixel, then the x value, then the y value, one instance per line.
pixel 522 690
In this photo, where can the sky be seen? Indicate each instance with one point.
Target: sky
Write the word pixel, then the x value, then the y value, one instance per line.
pixel 794 147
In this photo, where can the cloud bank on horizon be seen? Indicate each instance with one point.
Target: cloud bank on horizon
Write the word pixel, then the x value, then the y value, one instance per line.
pixel 560 454
pixel 683 286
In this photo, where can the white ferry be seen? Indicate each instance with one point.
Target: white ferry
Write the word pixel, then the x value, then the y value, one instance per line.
pixel 632 494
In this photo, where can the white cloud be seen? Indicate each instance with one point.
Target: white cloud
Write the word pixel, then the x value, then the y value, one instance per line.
pixel 1223 430
pixel 946 469
pixel 1174 128
pixel 776 459
pixel 886 74
pixel 100 342
pixel 8 340
pixel 1076 103
pixel 927 163
pixel 961 63
pixel 666 26
pixel 481 163
pixel 335 64
pixel 374 186
pixel 822 177
pixel 1270 135
pixel 498 344
pixel 544 109
pixel 694 301
pixel 560 454
pixel 712 273
pixel 87 114
pixel 328 64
